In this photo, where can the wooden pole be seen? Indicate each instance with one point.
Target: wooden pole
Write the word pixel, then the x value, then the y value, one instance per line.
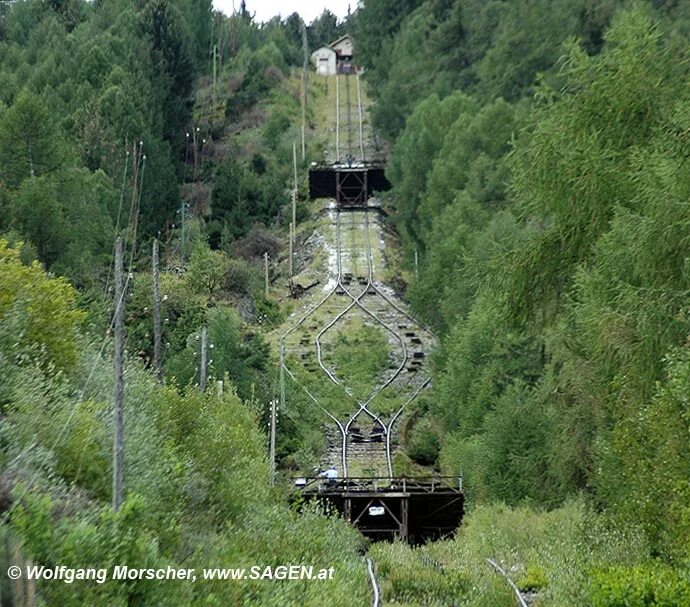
pixel 157 332
pixel 182 216
pixel 118 413
pixel 294 164
pixel 305 76
pixel 292 236
pixel 204 355
pixel 294 210
pixel 266 284
pixel 215 76
pixel 272 453
pixel 281 404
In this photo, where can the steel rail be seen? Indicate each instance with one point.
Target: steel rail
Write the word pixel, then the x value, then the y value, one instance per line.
pixel 326 411
pixel 376 600
pixel 356 301
pixel 516 590
pixel 365 405
pixel 389 428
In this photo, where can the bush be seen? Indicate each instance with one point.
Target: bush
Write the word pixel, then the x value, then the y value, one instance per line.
pixel 644 586
pixel 238 276
pixel 256 243
pixel 423 443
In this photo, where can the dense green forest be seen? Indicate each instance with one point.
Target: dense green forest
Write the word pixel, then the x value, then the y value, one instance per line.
pixel 111 124
pixel 537 158
pixel 539 171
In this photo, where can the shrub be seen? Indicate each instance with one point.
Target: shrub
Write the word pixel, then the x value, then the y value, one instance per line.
pixel 643 586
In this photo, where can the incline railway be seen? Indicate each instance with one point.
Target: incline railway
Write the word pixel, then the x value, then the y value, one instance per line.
pixel 362 423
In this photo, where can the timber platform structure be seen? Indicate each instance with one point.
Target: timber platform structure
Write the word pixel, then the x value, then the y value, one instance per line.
pixel 415 510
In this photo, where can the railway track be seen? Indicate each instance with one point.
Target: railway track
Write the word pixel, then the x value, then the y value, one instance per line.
pixel 523 599
pixel 376 592
pixel 362 442
pixel 361 429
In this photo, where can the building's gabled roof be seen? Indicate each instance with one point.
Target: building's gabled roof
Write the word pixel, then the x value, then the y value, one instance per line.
pixel 339 40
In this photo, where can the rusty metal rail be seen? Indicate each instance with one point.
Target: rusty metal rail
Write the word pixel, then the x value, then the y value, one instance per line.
pixel 516 590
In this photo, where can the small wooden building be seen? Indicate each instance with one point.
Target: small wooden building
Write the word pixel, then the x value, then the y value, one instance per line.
pixel 345 51
pixel 337 57
pixel 325 61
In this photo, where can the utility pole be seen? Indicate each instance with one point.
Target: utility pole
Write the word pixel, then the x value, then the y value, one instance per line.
pixel 204 354
pixel 183 215
pixel 157 315
pixel 272 449
pixel 281 404
pixel 282 374
pixel 305 75
pixel 416 264
pixel 294 212
pixel 182 212
pixel 266 273
pixel 292 236
pixel 215 75
pixel 233 31
pixel 118 412
pixel 294 164
pixel 294 207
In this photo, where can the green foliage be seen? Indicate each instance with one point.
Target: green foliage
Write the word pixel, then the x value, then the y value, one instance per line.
pixel 649 586
pixel 207 270
pixel 552 552
pixel 359 355
pixel 407 580
pixel 29 142
pixel 548 209
pixel 534 580
pixel 414 153
pixel 41 311
pixel 241 196
pixel 66 216
pixel 423 442
pixel 580 150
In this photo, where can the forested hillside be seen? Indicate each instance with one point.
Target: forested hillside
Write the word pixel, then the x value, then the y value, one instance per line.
pixel 540 192
pixel 111 124
pixel 539 173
